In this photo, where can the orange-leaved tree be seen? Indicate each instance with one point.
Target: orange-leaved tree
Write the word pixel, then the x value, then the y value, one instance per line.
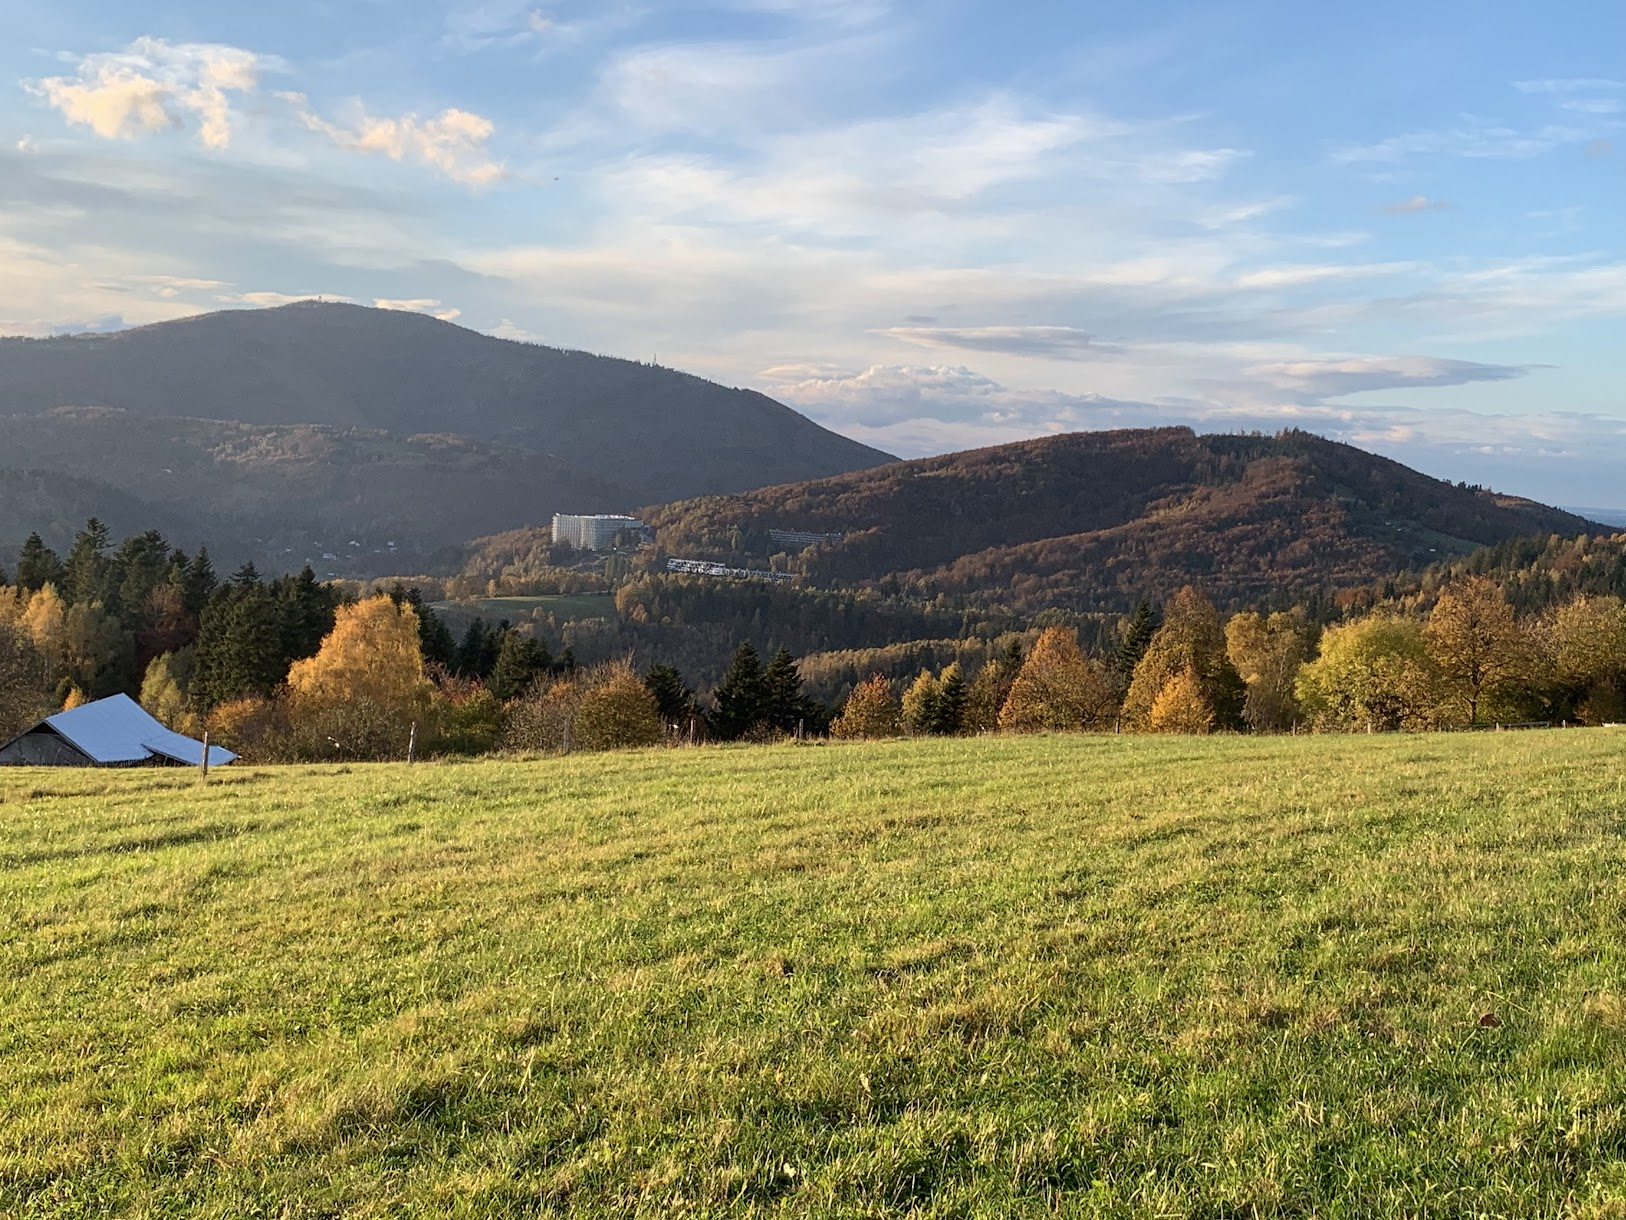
pixel 1059 688
pixel 362 691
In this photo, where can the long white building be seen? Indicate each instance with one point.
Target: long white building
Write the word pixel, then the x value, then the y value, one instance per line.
pixel 594 533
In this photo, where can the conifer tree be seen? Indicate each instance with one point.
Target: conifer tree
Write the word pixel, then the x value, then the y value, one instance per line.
pixel 989 689
pixel 1137 638
pixel 953 703
pixel 742 696
pixel 1180 706
pixel 469 658
pixel 673 699
pixel 1059 688
pixel 240 646
pixel 922 705
pixel 520 662
pixel 38 566
pixel 785 705
pixel 89 574
pixel 198 584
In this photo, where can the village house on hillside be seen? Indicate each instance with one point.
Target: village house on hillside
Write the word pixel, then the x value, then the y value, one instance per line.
pixel 112 732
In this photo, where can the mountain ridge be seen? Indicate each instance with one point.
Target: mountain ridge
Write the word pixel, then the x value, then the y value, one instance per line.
pixel 347 365
pixel 1096 520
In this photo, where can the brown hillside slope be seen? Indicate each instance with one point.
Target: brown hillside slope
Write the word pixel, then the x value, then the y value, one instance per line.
pixel 1098 520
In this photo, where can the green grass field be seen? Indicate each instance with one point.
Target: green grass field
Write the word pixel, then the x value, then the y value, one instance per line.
pixel 1005 977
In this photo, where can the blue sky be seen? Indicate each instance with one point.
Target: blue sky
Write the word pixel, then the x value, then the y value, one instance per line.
pixel 929 226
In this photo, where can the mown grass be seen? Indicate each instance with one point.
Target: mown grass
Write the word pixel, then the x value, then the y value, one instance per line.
pixel 1005 977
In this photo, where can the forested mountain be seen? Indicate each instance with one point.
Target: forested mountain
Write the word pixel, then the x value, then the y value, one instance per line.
pixel 279 495
pixel 1093 521
pixel 658 433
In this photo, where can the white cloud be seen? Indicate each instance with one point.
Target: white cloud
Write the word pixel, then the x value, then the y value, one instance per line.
pixel 1417 203
pixel 452 142
pixel 154 85
pixel 426 305
pixel 1336 376
pixel 1473 139
pixel 1316 273
pixel 506 329
pixel 1055 342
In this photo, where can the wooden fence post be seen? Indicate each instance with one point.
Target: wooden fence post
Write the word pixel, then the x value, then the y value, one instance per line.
pixel 204 766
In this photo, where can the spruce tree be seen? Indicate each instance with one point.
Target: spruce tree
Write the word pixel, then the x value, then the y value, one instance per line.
pixel 672 697
pixel 38 566
pixel 521 661
pixel 240 646
pixel 785 706
pixel 140 566
pixel 1136 641
pixel 742 696
pixel 305 611
pixel 470 652
pixel 89 574
pixel 951 705
pixel 435 638
pixel 198 585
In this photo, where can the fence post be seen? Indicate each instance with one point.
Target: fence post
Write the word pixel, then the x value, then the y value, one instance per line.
pixel 204 766
pixel 412 744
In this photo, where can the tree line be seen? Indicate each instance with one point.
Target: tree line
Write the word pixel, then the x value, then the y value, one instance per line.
pixel 290 668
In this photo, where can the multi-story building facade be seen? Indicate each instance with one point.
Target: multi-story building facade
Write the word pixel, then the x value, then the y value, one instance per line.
pixel 591 533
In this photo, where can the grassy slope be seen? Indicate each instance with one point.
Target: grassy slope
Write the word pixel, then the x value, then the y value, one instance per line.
pixel 1003 977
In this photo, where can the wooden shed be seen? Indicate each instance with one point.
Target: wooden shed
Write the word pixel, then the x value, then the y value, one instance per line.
pixel 112 732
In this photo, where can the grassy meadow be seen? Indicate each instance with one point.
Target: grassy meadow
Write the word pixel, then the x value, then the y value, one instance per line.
pixel 1076 976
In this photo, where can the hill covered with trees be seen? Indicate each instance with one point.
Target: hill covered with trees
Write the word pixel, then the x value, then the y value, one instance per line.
pixel 569 431
pixel 1099 520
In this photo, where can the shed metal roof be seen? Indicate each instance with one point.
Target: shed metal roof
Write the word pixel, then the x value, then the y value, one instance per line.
pixel 119 730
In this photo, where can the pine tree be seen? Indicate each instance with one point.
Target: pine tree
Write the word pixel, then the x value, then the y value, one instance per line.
pixel 1137 638
pixel 240 646
pixel 786 706
pixel 139 567
pixel 305 610
pixel 673 699
pixel 469 657
pixel 198 584
pixel 89 574
pixel 520 662
pixel 951 707
pixel 742 696
pixel 923 705
pixel 38 566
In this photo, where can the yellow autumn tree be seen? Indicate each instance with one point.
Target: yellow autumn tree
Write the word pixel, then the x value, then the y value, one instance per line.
pixel 363 690
pixel 616 712
pixel 372 653
pixel 45 618
pixel 872 710
pixel 1181 707
pixel 1479 648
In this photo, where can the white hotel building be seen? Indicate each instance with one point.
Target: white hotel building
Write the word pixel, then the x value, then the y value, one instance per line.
pixel 595 533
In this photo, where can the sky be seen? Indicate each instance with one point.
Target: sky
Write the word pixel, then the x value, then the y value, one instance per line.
pixel 929 226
